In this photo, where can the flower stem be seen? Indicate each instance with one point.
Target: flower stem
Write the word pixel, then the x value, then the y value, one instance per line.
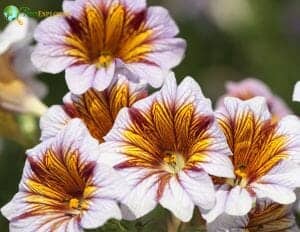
pixel 173 224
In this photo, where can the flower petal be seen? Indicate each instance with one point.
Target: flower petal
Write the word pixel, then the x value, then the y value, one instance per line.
pixel 80 78
pixel 219 208
pixel 142 196
pixel 53 121
pixel 199 187
pixel 175 199
pixel 104 77
pixel 239 202
pixel 100 211
pixel 296 94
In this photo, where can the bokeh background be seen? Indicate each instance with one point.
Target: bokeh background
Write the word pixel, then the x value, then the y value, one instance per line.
pixel 227 40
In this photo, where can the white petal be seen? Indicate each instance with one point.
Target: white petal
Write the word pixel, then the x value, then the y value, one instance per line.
pixel 218 165
pixel 16 32
pixel 100 210
pixel 159 20
pixel 167 53
pixel 219 208
pixel 80 78
pixel 104 77
pixel 111 184
pixel 296 94
pixel 228 223
pixel 286 173
pixel 257 105
pixel 135 5
pixel 53 121
pixel 277 193
pixel 199 186
pixel 51 58
pixel 152 74
pixel 239 202
pixel 289 128
pixel 142 196
pixel 175 199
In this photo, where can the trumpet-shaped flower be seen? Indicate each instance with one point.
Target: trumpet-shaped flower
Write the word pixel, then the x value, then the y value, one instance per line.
pixel 95 39
pixel 250 88
pixel 166 146
pixel 267 216
pixel 98 110
pixel 18 90
pixel 64 187
pixel 265 157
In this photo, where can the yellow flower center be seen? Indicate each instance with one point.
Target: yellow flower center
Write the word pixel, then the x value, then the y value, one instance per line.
pixel 104 34
pixel 104 60
pixel 173 162
pixel 241 177
pixel 75 203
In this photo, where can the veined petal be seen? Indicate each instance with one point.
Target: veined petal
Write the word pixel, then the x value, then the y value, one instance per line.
pixel 143 199
pixel 219 208
pixel 80 78
pixel 249 88
pixel 167 136
pixel 98 110
pixel 258 144
pixel 53 121
pixel 99 33
pixel 62 184
pixel 266 216
pixel 239 202
pixel 176 199
pixel 199 187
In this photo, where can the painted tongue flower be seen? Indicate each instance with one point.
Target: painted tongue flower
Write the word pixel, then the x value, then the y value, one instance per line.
pixel 97 38
pixel 250 88
pixel 19 91
pixel 64 187
pixel 98 110
pixel 267 216
pixel 165 146
pixel 265 157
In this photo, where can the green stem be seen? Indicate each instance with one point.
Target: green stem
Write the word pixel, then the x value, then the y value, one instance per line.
pixel 173 224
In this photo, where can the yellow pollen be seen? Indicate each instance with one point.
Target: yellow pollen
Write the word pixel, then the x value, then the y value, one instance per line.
pixel 74 203
pixel 241 176
pixel 104 60
pixel 173 162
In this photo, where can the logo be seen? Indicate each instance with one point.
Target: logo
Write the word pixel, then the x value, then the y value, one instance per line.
pixel 11 13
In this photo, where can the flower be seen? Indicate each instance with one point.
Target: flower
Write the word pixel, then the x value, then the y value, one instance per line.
pixel 266 216
pixel 250 88
pixel 165 146
pixel 98 110
pixel 64 187
pixel 296 94
pixel 95 39
pixel 265 157
pixel 18 90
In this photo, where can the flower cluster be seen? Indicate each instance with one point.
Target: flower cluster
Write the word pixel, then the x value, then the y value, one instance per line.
pixel 112 150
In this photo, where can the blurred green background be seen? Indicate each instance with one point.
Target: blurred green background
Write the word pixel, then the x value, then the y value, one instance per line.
pixel 227 40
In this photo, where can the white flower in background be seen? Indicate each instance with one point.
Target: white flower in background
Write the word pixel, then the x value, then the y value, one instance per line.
pixel 166 146
pixel 64 186
pixel 98 110
pixel 96 39
pixel 19 91
pixel 266 216
pixel 249 88
pixel 296 94
pixel 265 157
